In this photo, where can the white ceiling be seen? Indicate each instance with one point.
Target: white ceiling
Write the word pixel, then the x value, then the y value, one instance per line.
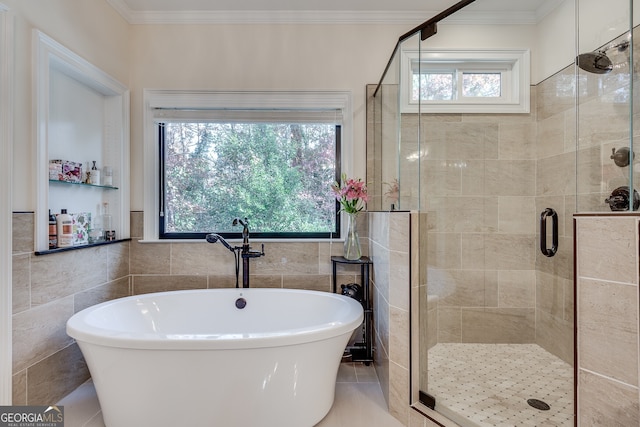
pixel 328 11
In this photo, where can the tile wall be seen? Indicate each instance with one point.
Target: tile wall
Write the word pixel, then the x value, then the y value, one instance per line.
pixel 396 246
pixel 607 317
pixel 390 250
pixel 170 266
pixel 47 290
pixel 479 192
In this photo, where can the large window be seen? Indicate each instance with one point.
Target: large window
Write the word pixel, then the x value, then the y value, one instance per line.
pixel 271 157
pixel 276 174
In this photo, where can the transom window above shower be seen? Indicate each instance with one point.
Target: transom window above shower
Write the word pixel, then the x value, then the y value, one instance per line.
pixel 456 81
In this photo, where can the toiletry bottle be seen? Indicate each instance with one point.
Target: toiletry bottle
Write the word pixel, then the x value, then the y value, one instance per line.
pixel 97 232
pixel 107 177
pixel 106 221
pixel 53 231
pixel 65 229
pixel 95 174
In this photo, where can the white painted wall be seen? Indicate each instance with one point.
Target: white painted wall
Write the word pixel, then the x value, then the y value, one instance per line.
pixel 598 23
pixel 76 120
pixel 601 22
pixel 556 40
pixel 257 57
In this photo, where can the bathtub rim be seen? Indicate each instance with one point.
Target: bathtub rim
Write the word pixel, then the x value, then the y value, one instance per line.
pixel 78 329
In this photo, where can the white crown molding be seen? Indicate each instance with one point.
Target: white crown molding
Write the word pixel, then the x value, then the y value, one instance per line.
pixel 546 8
pixel 274 17
pixel 121 7
pixel 326 16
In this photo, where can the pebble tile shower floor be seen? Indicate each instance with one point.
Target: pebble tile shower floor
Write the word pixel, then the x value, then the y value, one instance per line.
pixel 489 384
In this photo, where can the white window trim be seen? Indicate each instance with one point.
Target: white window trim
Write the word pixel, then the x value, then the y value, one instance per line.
pixel 204 99
pixel 50 56
pixel 517 95
pixel 6 159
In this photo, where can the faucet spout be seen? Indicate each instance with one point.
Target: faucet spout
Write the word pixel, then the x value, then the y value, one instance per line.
pixel 246 253
pixel 245 232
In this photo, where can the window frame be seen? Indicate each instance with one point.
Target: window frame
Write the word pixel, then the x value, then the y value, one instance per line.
pixel 164 235
pixel 514 66
pixel 248 100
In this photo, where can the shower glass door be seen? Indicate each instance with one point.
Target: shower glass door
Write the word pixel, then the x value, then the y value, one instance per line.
pixel 496 314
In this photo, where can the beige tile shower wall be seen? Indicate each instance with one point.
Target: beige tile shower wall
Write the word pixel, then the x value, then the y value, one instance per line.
pixel 478 188
pixel 607 319
pixel 382 143
pixel 375 186
pixel 47 290
pixel 389 246
pixel 483 222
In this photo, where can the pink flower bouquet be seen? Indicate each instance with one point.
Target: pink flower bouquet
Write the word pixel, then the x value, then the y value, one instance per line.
pixel 352 194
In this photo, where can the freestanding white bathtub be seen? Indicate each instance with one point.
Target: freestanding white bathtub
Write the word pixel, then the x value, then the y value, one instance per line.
pixel 192 358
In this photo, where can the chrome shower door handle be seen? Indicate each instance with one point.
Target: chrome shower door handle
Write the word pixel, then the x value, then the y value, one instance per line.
pixel 549 252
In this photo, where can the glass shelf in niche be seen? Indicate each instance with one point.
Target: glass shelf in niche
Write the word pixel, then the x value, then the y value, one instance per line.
pixel 85 246
pixel 82 184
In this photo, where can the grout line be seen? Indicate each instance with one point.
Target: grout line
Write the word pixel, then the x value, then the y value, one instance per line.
pixel 609 378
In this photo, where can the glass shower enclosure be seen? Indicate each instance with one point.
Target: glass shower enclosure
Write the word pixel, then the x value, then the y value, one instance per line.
pixel 494 325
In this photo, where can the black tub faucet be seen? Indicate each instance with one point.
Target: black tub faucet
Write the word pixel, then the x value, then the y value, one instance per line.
pixel 243 251
pixel 245 231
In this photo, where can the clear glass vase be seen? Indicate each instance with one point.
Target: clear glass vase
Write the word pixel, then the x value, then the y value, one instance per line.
pixel 352 249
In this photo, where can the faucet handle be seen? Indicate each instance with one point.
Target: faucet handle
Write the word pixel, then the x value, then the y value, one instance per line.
pixel 253 254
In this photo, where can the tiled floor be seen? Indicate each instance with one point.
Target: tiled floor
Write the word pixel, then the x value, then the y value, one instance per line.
pixel 358 402
pixel 489 384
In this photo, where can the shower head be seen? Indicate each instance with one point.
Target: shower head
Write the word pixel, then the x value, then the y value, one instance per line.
pixel 598 62
pixel 595 62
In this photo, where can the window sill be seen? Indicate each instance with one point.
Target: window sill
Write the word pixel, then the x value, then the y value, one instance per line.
pixel 75 248
pixel 253 240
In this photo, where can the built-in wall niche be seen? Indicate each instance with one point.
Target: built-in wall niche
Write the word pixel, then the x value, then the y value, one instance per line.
pixel 82 116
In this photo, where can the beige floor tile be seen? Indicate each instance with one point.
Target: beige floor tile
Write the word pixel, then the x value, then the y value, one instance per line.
pixel 81 406
pixel 358 402
pixel 359 405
